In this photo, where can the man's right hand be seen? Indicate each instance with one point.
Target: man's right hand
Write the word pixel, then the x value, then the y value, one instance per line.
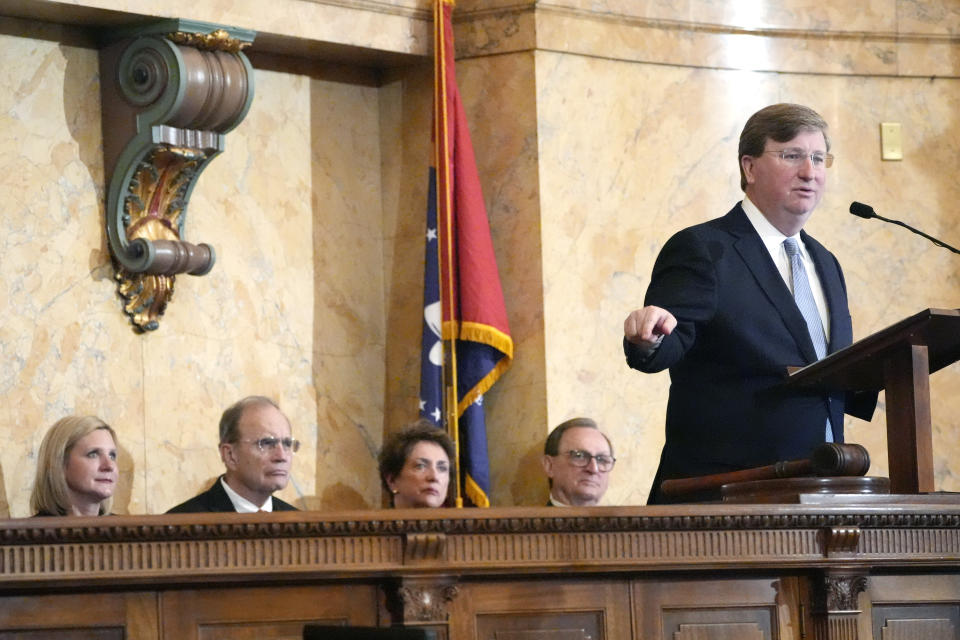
pixel 647 326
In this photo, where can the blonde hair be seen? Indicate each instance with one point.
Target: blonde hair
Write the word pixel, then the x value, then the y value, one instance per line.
pixel 49 493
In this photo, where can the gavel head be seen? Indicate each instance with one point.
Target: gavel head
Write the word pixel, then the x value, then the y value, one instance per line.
pixel 839 459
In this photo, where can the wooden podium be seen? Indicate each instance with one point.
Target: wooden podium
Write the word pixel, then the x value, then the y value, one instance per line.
pixel 898 359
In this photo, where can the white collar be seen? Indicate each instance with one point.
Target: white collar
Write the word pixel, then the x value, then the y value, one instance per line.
pixel 771 236
pixel 555 502
pixel 241 504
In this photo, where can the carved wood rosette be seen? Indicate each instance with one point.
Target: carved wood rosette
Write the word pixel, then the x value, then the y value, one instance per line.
pixel 170 93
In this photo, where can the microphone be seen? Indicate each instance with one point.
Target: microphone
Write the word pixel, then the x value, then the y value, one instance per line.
pixel 866 211
pixel 862 210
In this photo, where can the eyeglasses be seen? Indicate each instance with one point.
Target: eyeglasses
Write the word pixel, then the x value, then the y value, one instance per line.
pixel 795 157
pixel 270 443
pixel 579 458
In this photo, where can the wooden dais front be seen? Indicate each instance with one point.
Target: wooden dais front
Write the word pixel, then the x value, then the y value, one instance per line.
pixel 704 572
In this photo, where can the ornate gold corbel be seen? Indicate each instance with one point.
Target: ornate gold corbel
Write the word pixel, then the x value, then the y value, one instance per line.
pixel 170 94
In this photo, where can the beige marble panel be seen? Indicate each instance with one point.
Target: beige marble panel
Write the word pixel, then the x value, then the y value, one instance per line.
pixel 930 58
pixel 396 26
pixel 504 133
pixel 405 120
pixel 495 31
pixel 861 38
pixel 681 45
pixel 859 15
pixel 184 398
pixel 939 16
pixel 63 347
pixel 349 312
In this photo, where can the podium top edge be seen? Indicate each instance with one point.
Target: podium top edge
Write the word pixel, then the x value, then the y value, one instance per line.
pixel 858 367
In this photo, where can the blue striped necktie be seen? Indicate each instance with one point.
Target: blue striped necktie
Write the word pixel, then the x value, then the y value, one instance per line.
pixel 803 295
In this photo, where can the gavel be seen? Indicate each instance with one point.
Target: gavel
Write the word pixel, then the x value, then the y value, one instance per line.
pixel 828 459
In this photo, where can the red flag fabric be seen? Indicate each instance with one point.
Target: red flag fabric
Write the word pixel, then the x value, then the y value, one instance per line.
pixel 473 311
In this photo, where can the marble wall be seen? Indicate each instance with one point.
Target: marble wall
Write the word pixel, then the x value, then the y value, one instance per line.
pixel 600 126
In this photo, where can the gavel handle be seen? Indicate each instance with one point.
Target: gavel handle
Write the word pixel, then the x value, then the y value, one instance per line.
pixel 785 469
pixel 828 459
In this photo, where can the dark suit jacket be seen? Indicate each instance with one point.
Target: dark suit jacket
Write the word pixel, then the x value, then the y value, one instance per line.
pixel 215 499
pixel 738 330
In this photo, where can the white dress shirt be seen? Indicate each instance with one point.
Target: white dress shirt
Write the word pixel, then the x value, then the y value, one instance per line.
pixel 241 504
pixel 773 241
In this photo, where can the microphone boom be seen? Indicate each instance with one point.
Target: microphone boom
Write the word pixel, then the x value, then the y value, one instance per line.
pixel 866 211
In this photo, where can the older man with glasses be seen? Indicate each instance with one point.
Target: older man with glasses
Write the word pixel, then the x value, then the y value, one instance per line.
pixel 735 301
pixel 257 448
pixel 577 459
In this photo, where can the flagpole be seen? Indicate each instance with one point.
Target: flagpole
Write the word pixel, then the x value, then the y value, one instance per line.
pixel 445 241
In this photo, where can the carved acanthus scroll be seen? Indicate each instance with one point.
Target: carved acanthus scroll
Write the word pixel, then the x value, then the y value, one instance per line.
pixel 836 609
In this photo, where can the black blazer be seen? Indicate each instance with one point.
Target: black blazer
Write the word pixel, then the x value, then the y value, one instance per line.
pixel 215 499
pixel 738 330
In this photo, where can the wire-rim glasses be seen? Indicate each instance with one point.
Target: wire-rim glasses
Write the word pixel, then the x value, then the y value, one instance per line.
pixel 270 443
pixel 796 157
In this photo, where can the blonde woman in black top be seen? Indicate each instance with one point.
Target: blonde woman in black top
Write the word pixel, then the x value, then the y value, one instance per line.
pixel 76 469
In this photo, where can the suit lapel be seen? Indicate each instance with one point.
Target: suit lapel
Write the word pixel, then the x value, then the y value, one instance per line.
pixel 219 500
pixel 758 261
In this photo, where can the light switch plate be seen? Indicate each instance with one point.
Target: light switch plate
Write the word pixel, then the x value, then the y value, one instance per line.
pixel 891 142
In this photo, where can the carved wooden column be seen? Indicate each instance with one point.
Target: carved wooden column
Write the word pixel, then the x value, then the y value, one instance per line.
pixel 170 93
pixel 836 610
pixel 422 601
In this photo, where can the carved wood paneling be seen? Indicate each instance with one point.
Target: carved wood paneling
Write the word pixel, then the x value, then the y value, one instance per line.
pixel 836 607
pixel 115 633
pixel 543 634
pixel 197 557
pixel 666 607
pixel 733 622
pixel 633 548
pixel 541 626
pixel 149 549
pixel 87 616
pixel 598 608
pixel 421 600
pixel 720 631
pixel 918 621
pixel 657 572
pixel 424 547
pixel 268 613
pixel 894 541
pixel 836 627
pixel 252 631
pixel 840 592
pixel 841 539
pixel 932 629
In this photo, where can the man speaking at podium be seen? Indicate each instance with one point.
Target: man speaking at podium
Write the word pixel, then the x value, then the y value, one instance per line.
pixel 735 301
